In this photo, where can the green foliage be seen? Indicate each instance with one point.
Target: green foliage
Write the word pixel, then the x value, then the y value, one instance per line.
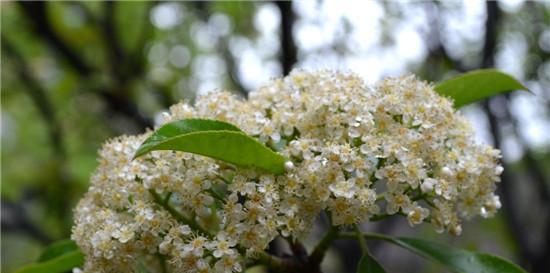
pixel 57 249
pixel 63 263
pixel 215 139
pixel 177 128
pixel 456 260
pixel 477 85
pixel 59 257
pixel 368 264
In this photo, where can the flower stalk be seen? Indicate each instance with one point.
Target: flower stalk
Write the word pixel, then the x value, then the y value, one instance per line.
pixel 178 215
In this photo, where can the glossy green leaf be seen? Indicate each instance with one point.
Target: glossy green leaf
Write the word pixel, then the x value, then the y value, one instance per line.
pixel 368 264
pixel 456 260
pixel 215 139
pixel 174 129
pixel 477 85
pixel 57 249
pixel 63 263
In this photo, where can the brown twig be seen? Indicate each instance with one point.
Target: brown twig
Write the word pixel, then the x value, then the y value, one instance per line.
pixel 288 54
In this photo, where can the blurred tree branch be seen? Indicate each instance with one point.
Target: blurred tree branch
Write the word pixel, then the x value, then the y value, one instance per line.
pixel 536 260
pixel 36 13
pixel 15 219
pixel 232 67
pixel 38 96
pixel 43 104
pixel 288 53
pixel 114 50
pixel 541 257
pixel 223 47
pixel 438 55
pixel 512 214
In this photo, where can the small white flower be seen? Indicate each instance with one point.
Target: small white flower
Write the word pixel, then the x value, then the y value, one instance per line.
pixel 417 215
pixel 428 185
pixel 227 264
pixel 289 166
pixel 344 189
pixel 222 246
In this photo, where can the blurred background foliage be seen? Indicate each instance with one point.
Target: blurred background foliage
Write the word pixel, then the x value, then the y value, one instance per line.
pixel 77 73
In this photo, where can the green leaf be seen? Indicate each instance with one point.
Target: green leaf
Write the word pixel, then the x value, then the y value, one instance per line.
pixel 368 264
pixel 477 85
pixel 177 128
pixel 57 249
pixel 215 139
pixel 63 263
pixel 456 260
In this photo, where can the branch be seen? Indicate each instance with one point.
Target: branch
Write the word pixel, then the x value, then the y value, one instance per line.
pixel 542 255
pixel 277 264
pixel 40 99
pixel 15 219
pixel 515 223
pixel 531 163
pixel 288 54
pixel 114 50
pixel 318 253
pixel 38 96
pixel 367 235
pixel 36 13
pixel 518 230
pixel 437 49
pixel 201 8
pixel 361 239
pixel 538 175
pixel 232 67
pixel 178 215
pixel 123 106
pixel 298 249
pixel 491 23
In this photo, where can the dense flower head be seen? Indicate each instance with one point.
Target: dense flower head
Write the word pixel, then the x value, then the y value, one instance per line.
pixel 358 152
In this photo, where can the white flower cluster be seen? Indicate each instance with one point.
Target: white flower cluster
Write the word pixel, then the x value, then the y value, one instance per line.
pixel 358 152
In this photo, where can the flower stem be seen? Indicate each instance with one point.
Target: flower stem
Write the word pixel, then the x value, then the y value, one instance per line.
pixel 178 215
pixel 367 235
pixel 162 262
pixel 361 239
pixel 383 216
pixel 318 253
pixel 297 249
pixel 276 263
pixel 167 198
